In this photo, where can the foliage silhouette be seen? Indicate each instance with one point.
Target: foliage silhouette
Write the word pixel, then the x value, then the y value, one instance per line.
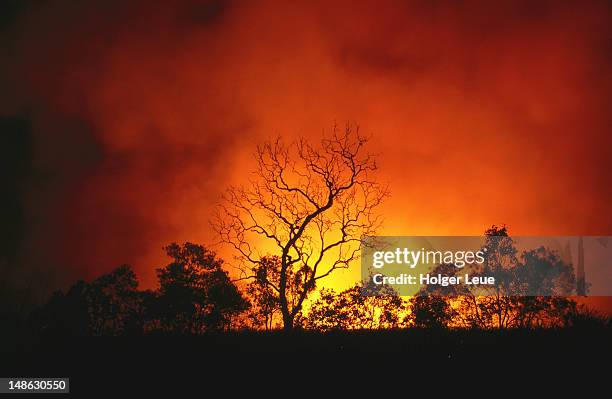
pixel 370 307
pixel 266 303
pixel 195 293
pixel 432 312
pixel 509 304
pixel 64 314
pixel 195 296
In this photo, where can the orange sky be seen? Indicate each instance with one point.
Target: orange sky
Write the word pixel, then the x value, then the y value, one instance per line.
pixel 482 114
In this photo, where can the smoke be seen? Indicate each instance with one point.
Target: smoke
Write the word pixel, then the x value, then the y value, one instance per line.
pixel 128 149
pixel 141 112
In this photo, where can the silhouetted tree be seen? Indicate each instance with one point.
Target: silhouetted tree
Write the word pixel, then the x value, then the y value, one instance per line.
pixel 370 307
pixel 112 300
pixel 103 307
pixel 432 306
pixel 542 271
pixel 141 316
pixel 64 314
pixel 195 293
pixel 512 302
pixel 311 203
pixel 264 299
pixel 434 312
pixel 580 316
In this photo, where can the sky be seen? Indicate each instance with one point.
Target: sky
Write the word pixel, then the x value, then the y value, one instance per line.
pixel 128 119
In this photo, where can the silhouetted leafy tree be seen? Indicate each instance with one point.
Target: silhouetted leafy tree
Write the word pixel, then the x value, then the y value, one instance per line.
pixel 360 307
pixel 266 311
pixel 141 317
pixel 64 314
pixel 543 271
pixel 312 203
pixel 195 293
pixel 511 303
pixel 264 298
pixel 103 307
pixel 434 312
pixel 432 307
pixel 580 316
pixel 112 300
pixel 495 309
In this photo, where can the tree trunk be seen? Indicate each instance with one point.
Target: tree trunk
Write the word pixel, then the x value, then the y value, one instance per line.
pixel 287 322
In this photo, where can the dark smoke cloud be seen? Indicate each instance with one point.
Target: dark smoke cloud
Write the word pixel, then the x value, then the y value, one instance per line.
pixel 83 194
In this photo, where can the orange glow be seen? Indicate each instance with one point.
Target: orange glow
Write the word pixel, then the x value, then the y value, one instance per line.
pixel 482 114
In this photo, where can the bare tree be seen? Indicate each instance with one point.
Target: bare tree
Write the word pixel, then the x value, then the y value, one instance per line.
pixel 307 204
